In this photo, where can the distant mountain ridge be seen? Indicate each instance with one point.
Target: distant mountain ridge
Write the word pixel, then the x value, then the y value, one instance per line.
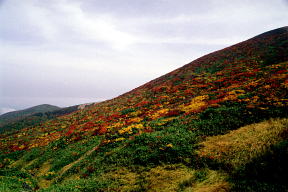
pixel 13 116
pixel 4 110
pixel 28 111
pixel 35 118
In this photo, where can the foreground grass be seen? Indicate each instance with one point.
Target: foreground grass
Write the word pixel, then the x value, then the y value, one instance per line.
pixel 241 146
pixel 166 160
pixel 163 178
pixel 254 156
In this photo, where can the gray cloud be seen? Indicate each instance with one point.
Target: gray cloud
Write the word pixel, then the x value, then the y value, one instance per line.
pixel 68 52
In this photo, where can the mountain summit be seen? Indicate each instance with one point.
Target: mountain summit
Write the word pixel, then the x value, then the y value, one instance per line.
pixel 218 123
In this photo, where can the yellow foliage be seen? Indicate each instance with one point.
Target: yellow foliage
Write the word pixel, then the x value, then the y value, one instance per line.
pixel 135 120
pixel 129 128
pixel 234 94
pixel 119 139
pixel 135 114
pixel 196 104
pixel 49 173
pixel 169 145
pixel 159 113
pixel 253 83
pixel 230 98
pixel 21 147
pixel 164 121
pixel 116 125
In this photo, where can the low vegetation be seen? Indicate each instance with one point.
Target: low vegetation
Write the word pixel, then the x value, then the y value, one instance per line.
pixel 241 146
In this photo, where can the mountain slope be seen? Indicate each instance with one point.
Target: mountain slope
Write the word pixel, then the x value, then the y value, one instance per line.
pixel 18 115
pixel 131 142
pixel 35 118
pixel 239 74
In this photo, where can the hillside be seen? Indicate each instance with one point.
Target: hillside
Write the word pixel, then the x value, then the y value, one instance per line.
pixel 160 136
pixel 17 115
pixel 34 118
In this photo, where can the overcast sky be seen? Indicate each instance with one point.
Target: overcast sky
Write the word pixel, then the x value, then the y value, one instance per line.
pixel 67 52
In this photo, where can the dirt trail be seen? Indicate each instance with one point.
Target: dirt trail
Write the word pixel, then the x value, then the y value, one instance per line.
pixel 67 167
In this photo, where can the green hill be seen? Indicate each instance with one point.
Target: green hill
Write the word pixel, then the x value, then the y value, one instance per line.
pixel 218 123
pixel 14 122
pixel 18 115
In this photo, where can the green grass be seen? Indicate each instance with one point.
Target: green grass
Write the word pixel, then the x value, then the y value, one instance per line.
pixel 87 185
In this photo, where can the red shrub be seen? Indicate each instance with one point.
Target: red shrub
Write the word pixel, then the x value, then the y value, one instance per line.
pixel 172 113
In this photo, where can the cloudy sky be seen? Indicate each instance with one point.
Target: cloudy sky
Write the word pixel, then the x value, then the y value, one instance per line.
pixel 67 52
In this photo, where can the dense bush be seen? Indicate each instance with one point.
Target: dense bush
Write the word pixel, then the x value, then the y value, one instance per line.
pixel 33 154
pixel 70 153
pixel 215 121
pixel 171 145
pixel 126 111
pixel 16 180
